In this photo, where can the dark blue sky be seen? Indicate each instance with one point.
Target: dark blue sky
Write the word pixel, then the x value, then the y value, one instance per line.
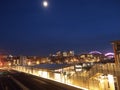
pixel 27 28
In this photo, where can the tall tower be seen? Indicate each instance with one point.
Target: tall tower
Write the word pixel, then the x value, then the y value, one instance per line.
pixel 116 48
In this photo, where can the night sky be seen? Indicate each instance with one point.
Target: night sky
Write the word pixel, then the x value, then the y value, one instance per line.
pixel 28 28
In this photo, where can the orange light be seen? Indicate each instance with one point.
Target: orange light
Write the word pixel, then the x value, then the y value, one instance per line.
pixel 1 64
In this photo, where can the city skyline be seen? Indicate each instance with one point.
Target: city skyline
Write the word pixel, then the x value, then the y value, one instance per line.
pixel 28 28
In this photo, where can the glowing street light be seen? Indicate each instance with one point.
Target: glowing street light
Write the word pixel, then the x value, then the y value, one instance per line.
pixel 37 62
pixel 9 64
pixel 29 63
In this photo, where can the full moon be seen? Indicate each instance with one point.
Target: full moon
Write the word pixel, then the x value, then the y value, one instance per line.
pixel 45 3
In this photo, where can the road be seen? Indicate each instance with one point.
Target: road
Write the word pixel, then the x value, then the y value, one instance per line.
pixel 30 82
pixel 6 83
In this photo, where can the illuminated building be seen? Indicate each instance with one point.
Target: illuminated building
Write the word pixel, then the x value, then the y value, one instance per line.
pixel 65 54
pixel 23 60
pixel 90 57
pixel 71 53
pixel 58 54
pixel 116 48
